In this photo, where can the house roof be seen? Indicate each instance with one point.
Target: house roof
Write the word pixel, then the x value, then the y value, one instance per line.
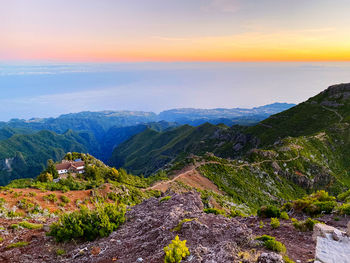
pixel 77 164
pixel 63 166
pixel 67 165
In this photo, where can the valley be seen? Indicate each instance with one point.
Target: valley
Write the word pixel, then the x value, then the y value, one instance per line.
pixel 240 190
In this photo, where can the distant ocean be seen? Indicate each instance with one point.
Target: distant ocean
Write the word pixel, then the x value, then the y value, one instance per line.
pixel 51 89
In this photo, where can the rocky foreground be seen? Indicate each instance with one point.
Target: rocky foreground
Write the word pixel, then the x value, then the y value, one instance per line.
pixel 150 227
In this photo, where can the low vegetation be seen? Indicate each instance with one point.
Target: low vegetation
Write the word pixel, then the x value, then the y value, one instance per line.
pixel 306 225
pixel 270 243
pixel 18 244
pixel 179 225
pixel 88 224
pixel 275 223
pixel 176 251
pixel 214 211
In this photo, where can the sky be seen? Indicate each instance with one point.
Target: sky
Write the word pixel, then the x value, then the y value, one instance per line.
pixel 62 56
pixel 174 30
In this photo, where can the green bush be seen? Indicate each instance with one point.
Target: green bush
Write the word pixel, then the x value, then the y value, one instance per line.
pixel 286 259
pixel 275 223
pixel 18 244
pixel 60 252
pixel 88 224
pixel 284 215
pixel 315 204
pixel 269 211
pixel 318 207
pixel 214 211
pixel 28 225
pixel 234 212
pixel 306 225
pixel 179 225
pixel 344 209
pixel 65 199
pixel 176 251
pixel 166 198
pixel 271 243
pixel 112 196
pixel 50 197
pixel 344 196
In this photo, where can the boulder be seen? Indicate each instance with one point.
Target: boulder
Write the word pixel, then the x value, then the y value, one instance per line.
pixel 321 230
pixel 348 229
pixel 332 245
pixel 270 258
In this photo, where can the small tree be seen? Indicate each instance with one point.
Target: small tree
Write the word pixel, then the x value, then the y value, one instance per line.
pixel 51 168
pixel 45 177
pixel 176 251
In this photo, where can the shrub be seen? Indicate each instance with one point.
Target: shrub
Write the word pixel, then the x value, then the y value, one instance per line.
pixel 287 206
pixel 271 243
pixel 344 196
pixel 261 224
pixel 14 226
pixel 284 215
pixel 306 225
pixel 45 177
pixel 318 207
pixel 65 199
pixel 1 239
pixel 18 244
pixel 166 198
pixel 286 259
pixel 315 204
pixel 28 225
pixel 13 214
pixel 50 197
pixel 234 212
pixel 32 194
pixel 176 251
pixel 60 252
pixel 179 225
pixel 344 209
pixel 88 224
pixel 112 196
pixel 25 204
pixel 214 211
pixel 269 211
pixel 275 223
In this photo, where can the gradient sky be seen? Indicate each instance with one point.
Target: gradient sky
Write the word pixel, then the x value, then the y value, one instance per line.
pixel 177 30
pixel 61 56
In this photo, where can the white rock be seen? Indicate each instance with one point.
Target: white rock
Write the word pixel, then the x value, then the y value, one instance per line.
pixel 348 229
pixel 337 234
pixel 320 230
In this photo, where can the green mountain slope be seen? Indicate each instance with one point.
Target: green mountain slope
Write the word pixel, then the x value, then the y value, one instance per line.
pixel 150 150
pixel 300 150
pixel 318 113
pixel 24 156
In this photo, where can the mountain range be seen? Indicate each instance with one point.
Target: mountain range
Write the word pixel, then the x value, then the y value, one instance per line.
pixel 98 133
pixel 289 154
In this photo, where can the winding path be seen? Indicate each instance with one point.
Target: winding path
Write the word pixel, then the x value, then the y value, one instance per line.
pixel 191 169
pixel 334 111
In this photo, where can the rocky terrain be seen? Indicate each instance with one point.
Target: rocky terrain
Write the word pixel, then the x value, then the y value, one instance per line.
pixel 150 226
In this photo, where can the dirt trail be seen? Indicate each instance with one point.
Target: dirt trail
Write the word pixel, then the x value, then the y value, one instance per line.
pixel 336 112
pixel 193 178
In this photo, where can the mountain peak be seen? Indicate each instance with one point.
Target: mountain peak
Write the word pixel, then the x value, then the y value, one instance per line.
pixel 338 88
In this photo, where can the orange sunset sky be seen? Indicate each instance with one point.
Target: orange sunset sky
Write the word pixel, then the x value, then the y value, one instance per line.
pixel 181 30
